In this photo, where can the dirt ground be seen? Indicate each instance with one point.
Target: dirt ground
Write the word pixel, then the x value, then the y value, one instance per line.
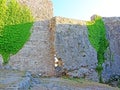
pixel 17 80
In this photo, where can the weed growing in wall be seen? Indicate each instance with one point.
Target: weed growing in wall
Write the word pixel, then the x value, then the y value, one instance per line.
pixel 97 37
pixel 16 21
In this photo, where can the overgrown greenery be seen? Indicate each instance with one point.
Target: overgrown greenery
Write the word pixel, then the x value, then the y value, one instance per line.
pixel 97 37
pixel 16 21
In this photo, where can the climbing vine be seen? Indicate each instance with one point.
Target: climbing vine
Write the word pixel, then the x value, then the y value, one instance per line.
pixel 16 21
pixel 97 37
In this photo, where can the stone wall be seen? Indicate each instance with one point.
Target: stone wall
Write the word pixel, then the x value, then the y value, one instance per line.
pixel 111 66
pixel 36 55
pixel 74 49
pixel 68 40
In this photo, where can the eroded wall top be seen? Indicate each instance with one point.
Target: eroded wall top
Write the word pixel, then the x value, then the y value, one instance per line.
pixel 63 20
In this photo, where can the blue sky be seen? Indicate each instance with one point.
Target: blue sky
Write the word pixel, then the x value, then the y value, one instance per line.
pixel 84 9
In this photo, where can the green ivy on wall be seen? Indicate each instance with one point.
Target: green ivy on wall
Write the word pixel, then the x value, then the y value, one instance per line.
pixel 97 37
pixel 16 21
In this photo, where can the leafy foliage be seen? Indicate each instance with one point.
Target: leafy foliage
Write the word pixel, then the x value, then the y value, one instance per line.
pixel 15 27
pixel 97 37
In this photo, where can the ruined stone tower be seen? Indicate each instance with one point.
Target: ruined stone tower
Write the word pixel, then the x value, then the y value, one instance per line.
pixel 36 55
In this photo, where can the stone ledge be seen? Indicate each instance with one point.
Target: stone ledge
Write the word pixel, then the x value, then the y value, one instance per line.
pixel 14 80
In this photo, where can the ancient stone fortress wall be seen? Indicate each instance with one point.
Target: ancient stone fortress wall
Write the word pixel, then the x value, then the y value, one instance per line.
pixel 68 40
pixel 74 49
pixel 79 58
pixel 36 55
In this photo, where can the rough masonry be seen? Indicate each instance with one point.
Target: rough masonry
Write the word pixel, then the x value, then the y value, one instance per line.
pixel 68 40
pixel 36 55
pixel 74 49
pixel 111 67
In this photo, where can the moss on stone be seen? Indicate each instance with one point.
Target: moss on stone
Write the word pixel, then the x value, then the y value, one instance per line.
pixel 16 21
pixel 97 37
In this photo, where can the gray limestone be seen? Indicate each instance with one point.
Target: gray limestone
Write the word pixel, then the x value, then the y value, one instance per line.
pixel 73 47
pixel 111 66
